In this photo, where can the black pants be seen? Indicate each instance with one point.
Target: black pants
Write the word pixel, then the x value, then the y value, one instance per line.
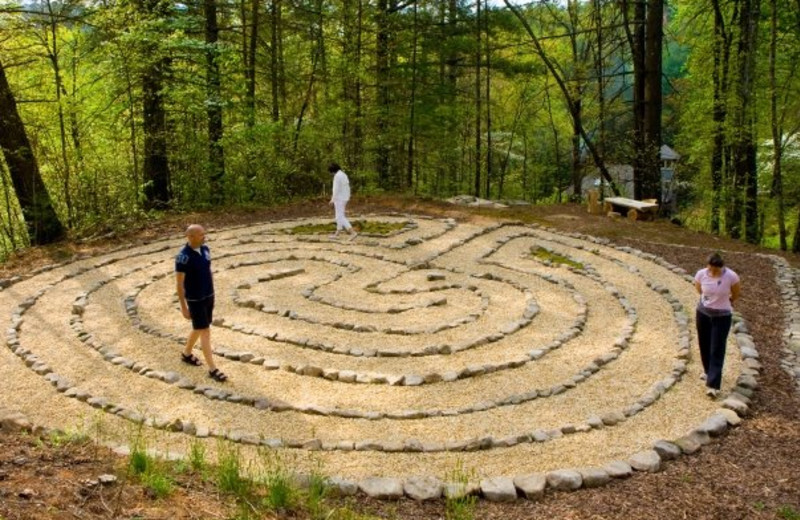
pixel 712 335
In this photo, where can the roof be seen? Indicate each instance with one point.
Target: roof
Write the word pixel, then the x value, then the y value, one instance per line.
pixel 668 154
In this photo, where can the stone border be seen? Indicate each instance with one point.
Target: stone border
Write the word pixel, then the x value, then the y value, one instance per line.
pixel 502 488
pixel 788 280
pixel 609 419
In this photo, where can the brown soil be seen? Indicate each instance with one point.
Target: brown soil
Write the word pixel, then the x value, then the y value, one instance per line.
pixel 751 472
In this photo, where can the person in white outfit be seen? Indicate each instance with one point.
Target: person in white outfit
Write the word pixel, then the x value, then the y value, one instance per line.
pixel 339 198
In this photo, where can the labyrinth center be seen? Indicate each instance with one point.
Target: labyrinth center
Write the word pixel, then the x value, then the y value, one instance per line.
pixel 393 355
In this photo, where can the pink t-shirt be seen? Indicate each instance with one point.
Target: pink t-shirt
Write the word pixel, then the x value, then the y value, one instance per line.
pixel 716 292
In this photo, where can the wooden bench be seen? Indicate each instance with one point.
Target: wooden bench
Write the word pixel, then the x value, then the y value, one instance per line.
pixel 634 209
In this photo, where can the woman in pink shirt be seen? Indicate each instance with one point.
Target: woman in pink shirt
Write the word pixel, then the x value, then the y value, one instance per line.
pixel 719 288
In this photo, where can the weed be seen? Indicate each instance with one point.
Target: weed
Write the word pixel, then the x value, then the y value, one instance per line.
pixel 367 227
pixel 58 438
pixel 197 455
pixel 317 491
pixel 157 483
pixel 788 513
pixel 460 505
pixel 552 257
pixel 281 494
pixel 229 470
pixel 139 462
pixel 759 506
pixel 346 513
pixel 152 474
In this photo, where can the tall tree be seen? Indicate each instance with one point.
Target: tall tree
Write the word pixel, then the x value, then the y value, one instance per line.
pixel 776 126
pixel 721 57
pixel 478 114
pixel 34 200
pixel 250 46
pixel 156 174
pixel 654 38
pixel 216 152
pixel 573 107
pixel 745 168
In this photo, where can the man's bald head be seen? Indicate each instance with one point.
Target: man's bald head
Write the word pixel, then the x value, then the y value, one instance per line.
pixel 195 235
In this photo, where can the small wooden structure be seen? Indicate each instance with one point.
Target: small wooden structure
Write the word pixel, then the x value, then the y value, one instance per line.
pixel 634 209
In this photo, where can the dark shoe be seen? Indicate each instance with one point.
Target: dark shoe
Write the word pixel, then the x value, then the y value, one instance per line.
pixel 190 359
pixel 218 375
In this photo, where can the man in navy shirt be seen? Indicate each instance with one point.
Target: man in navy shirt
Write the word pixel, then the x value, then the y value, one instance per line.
pixel 195 286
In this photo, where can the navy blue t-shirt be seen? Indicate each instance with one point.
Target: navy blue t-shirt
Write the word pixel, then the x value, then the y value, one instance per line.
pixel 198 283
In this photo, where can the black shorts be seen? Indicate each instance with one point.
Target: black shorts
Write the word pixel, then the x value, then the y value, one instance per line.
pixel 202 312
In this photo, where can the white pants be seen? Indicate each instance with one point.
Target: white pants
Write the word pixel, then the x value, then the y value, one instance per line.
pixel 341 220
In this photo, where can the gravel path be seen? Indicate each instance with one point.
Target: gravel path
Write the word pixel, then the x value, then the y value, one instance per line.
pixel 390 356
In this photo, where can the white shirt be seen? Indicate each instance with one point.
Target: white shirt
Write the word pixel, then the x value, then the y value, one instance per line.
pixel 716 291
pixel 341 187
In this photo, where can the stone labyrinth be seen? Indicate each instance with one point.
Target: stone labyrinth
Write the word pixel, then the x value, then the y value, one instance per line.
pixel 438 344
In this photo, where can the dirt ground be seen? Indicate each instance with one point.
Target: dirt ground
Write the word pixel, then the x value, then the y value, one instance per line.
pixel 751 472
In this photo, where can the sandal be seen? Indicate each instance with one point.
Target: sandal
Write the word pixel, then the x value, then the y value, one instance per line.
pixel 217 375
pixel 190 359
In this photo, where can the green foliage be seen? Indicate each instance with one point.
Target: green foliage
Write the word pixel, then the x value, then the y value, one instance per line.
pixel 81 97
pixel 157 482
pixel 787 512
pixel 551 257
pixel 229 476
pixel 152 473
pixel 197 455
pixel 366 227
pixel 461 504
pixel 59 438
pixel 316 493
pixel 281 493
pixel 139 462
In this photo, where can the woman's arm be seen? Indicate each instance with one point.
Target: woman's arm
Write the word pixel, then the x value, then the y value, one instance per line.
pixel 698 287
pixel 735 291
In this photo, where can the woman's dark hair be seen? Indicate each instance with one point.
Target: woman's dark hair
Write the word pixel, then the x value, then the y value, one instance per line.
pixel 716 260
pixel 334 167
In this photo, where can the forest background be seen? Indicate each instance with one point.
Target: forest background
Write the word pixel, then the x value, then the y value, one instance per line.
pixel 112 111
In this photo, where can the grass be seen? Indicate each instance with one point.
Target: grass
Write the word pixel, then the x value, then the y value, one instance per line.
pixel 153 474
pixel 552 257
pixel 197 456
pixel 59 439
pixel 367 227
pixel 788 513
pixel 460 506
pixel 281 494
pixel 229 476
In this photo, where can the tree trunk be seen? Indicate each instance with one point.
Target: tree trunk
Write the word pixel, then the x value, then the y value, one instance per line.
pixel 250 64
pixel 744 148
pixel 382 160
pixel 316 33
pixel 651 185
pixel 556 144
pixel 599 70
pixel 721 52
pixel 53 51
pixel 636 41
pixel 478 99
pixel 351 82
pixel 489 151
pixel 216 152
pixel 775 126
pixel 37 209
pixel 156 174
pixel 413 102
